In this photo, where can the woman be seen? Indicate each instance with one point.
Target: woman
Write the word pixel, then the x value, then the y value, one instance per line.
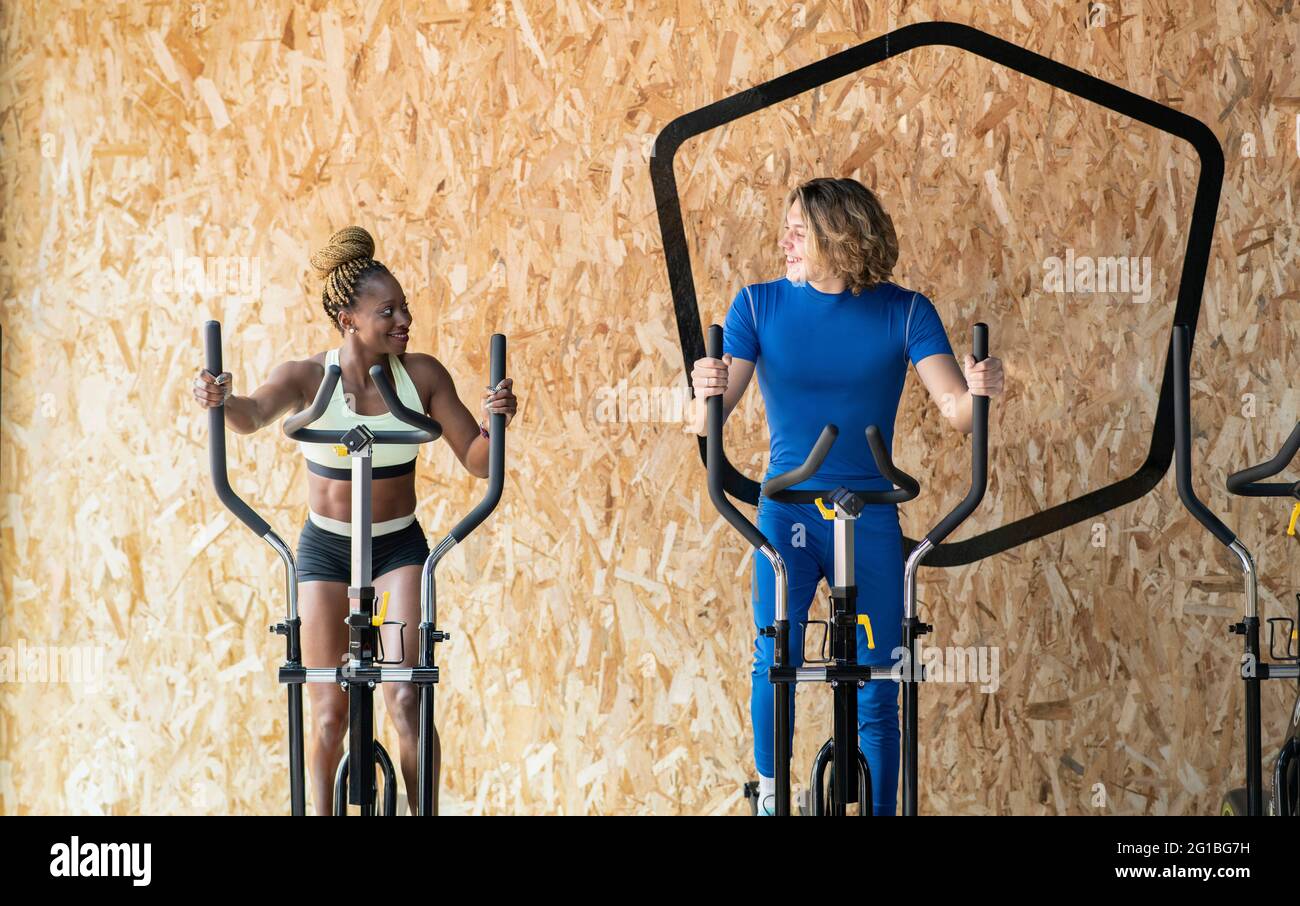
pixel 367 306
pixel 831 341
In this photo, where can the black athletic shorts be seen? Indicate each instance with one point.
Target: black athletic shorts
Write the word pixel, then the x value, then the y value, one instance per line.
pixel 327 556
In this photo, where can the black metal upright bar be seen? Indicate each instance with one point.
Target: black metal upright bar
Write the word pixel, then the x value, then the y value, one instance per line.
pixel 779 631
pixel 913 627
pixel 361 637
pixel 430 635
pixel 844 639
pixel 1249 627
pixel 291 625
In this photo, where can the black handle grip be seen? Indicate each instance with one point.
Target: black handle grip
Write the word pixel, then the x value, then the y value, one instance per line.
pixel 425 430
pixel 906 488
pixel 295 426
pixel 778 483
pixel 979 450
pixel 1182 346
pixel 496 448
pixel 1249 482
pixel 714 458
pixel 217 440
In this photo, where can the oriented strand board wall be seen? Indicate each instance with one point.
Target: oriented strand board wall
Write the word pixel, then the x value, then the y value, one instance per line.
pixel 601 624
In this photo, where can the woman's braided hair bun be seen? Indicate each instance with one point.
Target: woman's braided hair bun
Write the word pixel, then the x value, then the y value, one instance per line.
pixel 343 263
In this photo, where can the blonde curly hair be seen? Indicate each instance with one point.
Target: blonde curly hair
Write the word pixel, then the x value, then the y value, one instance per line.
pixel 343 264
pixel 849 232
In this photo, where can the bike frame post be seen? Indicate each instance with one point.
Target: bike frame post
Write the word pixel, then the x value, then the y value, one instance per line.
pixel 429 635
pixel 844 653
pixel 1252 669
pixel 361 641
pixel 291 630
pixel 912 676
pixel 782 692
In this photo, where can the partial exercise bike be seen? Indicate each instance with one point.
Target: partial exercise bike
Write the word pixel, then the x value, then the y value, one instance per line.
pixel 355 781
pixel 1284 795
pixel 849 778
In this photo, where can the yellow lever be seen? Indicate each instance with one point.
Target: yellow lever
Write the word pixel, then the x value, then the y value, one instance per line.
pixel 340 450
pixel 378 619
pixel 1295 513
pixel 865 620
pixel 826 513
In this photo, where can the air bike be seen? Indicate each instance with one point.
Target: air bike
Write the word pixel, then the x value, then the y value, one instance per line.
pixel 1285 795
pixel 841 758
pixel 367 664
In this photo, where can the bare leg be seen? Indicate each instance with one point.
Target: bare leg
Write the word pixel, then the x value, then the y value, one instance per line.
pixel 403 699
pixel 324 609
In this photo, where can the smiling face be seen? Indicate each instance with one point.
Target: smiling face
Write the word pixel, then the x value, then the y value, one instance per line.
pixel 380 315
pixel 792 245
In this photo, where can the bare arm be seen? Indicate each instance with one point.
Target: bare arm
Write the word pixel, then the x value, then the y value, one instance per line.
pixel 726 376
pixel 282 393
pixel 459 427
pixel 951 391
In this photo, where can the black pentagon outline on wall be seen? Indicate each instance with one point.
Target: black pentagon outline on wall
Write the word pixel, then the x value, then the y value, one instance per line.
pixel 1190 286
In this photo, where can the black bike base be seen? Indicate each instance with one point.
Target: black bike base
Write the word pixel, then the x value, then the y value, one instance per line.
pixel 390 785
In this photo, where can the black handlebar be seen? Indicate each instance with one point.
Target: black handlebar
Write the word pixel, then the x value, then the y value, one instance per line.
pixel 422 423
pixel 496 449
pixel 1183 438
pixel 1248 482
pixel 713 459
pixel 426 429
pixel 979 449
pixel 906 488
pixel 217 440
pixel 778 483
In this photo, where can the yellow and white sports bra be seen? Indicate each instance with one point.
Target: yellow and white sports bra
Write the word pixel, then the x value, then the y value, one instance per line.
pixel 387 460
